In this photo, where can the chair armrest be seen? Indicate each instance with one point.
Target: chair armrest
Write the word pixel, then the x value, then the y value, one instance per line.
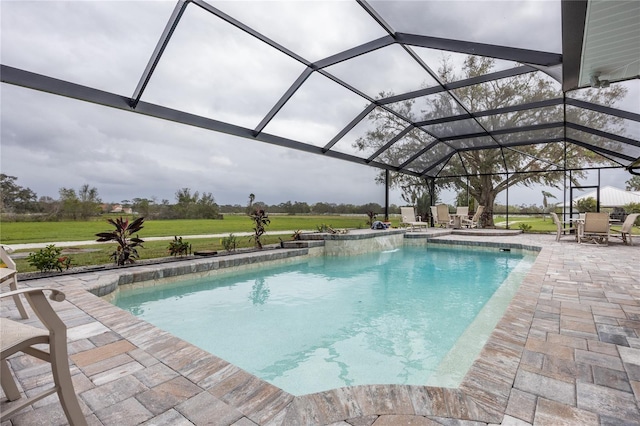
pixel 42 308
pixel 55 295
pixel 418 218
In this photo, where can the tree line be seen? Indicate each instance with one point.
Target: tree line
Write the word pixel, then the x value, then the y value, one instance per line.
pixel 85 203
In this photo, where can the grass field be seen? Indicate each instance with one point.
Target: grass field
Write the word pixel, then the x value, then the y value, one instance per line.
pixel 35 232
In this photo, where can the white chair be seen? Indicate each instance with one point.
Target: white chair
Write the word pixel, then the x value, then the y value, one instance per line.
pixel 19 337
pixel 434 215
pixel 443 215
pixel 408 217
pixel 473 222
pixel 559 224
pixel 10 274
pixel 625 231
pixel 455 220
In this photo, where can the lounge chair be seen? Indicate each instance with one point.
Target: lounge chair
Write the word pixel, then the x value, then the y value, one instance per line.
pixel 409 218
pixel 434 215
pixel 10 274
pixel 443 215
pixel 473 222
pixel 20 337
pixel 627 226
pixel 595 228
pixel 559 224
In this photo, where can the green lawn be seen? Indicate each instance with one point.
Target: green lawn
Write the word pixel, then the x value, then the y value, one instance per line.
pixel 36 232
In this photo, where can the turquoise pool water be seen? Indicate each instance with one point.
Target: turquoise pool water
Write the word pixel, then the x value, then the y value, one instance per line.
pixel 384 318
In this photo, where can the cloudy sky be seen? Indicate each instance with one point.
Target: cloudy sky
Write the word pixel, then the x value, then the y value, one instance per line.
pixel 210 68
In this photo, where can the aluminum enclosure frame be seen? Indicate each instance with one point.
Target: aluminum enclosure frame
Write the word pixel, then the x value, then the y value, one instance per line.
pixel 573 16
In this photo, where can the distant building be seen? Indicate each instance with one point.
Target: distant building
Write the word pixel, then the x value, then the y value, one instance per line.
pixel 117 208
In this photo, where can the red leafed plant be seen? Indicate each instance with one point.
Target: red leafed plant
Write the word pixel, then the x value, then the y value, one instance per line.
pixel 126 249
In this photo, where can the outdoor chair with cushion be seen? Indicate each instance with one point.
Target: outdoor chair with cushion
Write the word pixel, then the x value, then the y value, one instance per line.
pixel 20 337
pixel 409 218
pixel 595 228
pixel 473 222
pixel 627 226
pixel 559 223
pixel 10 273
pixel 434 215
pixel 443 215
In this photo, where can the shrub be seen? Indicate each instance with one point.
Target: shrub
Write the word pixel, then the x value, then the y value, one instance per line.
pixel 371 217
pixel 260 220
pixel 126 250
pixel 525 227
pixel 229 243
pixel 48 259
pixel 323 227
pixel 177 247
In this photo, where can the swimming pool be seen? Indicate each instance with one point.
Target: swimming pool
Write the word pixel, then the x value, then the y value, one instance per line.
pixel 391 317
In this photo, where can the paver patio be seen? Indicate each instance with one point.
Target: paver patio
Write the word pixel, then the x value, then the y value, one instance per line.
pixel 567 351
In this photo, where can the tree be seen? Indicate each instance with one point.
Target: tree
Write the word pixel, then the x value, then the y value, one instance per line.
pixel 588 204
pixel 485 168
pixel 195 206
pixel 89 201
pixel 80 205
pixel 633 184
pixel 545 204
pixel 69 203
pixel 14 198
pixel 252 198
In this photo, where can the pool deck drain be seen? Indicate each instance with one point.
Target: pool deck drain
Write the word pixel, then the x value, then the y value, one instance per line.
pixel 567 351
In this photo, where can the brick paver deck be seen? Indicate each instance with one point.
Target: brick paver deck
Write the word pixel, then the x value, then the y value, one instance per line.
pixel 566 352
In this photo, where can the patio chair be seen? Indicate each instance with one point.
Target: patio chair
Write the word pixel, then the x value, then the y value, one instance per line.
pixel 434 215
pixel 10 274
pixel 559 224
pixel 473 222
pixel 462 211
pixel 625 231
pixel 20 337
pixel 443 215
pixel 408 217
pixel 595 228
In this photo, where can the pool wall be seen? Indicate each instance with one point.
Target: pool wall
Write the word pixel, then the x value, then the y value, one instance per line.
pixel 311 245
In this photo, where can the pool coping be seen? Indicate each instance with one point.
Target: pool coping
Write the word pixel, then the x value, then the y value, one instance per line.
pixel 483 395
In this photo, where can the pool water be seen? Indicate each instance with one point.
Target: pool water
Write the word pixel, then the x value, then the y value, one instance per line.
pixel 384 318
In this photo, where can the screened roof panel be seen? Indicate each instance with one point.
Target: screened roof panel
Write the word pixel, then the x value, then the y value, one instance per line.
pixel 552 114
pixel 438 105
pixel 469 143
pixel 376 72
pixel 316 112
pixel 429 158
pixel 349 144
pixel 405 148
pixel 314 30
pixel 610 145
pixel 530 135
pixel 495 155
pixel 478 21
pixel 627 100
pixel 508 91
pixel 451 128
pixel 195 77
pixel 436 59
pixel 86 36
pixel 605 122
